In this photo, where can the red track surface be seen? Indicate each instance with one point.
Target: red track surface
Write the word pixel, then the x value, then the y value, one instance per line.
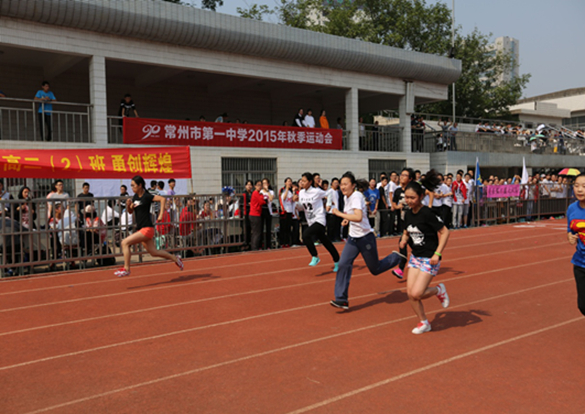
pixel 253 333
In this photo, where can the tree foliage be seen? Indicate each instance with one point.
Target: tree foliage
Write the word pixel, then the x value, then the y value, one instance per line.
pixel 255 12
pixel 418 26
pixel 478 92
pixel 211 4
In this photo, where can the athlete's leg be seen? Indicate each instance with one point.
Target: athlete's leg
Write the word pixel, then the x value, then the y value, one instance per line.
pixel 348 255
pixel 130 241
pixel 417 287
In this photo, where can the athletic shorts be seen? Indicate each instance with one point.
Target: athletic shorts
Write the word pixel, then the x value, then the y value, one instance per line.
pixel 465 209
pixel 424 265
pixel 147 232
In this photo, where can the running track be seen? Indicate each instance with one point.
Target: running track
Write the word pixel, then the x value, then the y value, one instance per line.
pixel 254 333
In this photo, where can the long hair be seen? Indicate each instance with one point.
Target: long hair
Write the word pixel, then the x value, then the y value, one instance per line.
pixel 430 182
pixel 138 180
pixel 310 177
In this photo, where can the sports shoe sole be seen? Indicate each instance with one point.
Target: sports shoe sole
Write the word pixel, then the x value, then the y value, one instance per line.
pixel 337 305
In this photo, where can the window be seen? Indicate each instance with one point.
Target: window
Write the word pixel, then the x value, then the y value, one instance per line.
pixel 377 167
pixel 236 171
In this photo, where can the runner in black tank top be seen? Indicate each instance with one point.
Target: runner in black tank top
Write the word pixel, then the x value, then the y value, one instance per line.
pixel 140 205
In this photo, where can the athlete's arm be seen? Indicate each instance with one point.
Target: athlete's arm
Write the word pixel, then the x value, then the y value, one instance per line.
pixel 443 237
pixel 356 216
pixel 573 238
pixel 404 239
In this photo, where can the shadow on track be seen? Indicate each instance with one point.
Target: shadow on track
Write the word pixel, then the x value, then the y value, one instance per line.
pixel 186 278
pixel 459 319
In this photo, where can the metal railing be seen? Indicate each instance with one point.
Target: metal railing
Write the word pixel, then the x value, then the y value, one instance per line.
pixel 380 138
pixel 529 206
pixel 37 235
pixel 115 130
pixel 20 120
pixel 486 142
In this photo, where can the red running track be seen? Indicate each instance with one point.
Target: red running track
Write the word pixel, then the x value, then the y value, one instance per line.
pixel 253 333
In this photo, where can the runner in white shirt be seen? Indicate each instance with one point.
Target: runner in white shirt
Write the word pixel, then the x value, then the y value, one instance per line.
pixel 361 240
pixel 311 198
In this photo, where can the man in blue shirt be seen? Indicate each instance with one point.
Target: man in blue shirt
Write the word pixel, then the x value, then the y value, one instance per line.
pixel 44 95
pixel 372 195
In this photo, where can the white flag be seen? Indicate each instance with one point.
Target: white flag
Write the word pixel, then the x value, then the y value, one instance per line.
pixel 524 179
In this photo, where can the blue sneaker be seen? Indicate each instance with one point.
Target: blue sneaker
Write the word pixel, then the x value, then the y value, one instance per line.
pixel 314 261
pixel 336 267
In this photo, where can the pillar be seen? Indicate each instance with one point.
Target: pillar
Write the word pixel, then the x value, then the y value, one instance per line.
pixel 405 109
pixel 352 118
pixel 97 96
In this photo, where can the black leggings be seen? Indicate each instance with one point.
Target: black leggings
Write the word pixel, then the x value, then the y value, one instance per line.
pixel 286 229
pixel 580 279
pixel 317 230
pixel 267 225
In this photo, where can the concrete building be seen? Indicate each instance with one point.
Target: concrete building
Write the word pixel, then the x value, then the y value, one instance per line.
pixel 508 46
pixel 566 107
pixel 181 62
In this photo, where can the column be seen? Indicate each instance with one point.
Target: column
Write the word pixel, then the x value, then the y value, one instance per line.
pixel 97 96
pixel 405 109
pixel 352 118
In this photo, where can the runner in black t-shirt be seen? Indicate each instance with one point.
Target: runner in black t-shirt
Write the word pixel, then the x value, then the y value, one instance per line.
pixel 427 236
pixel 140 205
pixel 400 207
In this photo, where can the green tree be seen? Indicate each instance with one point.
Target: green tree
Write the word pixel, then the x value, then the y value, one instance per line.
pixel 418 26
pixel 211 4
pixel 478 92
pixel 255 12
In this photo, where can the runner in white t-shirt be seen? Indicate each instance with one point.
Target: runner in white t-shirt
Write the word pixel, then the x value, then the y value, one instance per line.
pixel 311 198
pixel 361 240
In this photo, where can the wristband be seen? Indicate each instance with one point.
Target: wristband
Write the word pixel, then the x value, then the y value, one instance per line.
pixel 438 254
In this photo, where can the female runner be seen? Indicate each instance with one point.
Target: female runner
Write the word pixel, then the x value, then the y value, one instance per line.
pixel 361 240
pixel 576 236
pixel 140 204
pixel 427 236
pixel 311 198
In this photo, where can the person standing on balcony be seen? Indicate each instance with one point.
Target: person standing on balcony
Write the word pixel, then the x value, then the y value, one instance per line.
pixel 127 107
pixel 453 136
pixel 44 96
pixel 299 119
pixel 323 120
pixel 309 121
pixel 222 118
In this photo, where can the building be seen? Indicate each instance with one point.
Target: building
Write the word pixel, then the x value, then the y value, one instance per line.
pixel 508 46
pixel 180 62
pixel 567 107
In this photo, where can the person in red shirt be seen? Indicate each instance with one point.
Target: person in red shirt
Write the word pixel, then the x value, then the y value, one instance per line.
pixel 256 203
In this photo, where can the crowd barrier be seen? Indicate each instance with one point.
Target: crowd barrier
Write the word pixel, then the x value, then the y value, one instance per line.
pixel 490 211
pixel 37 235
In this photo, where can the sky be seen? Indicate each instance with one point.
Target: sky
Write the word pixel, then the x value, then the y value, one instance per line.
pixel 551 35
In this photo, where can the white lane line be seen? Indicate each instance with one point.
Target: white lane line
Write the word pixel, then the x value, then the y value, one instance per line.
pixel 95 318
pixel 251 254
pixel 182 285
pixel 183 331
pixel 288 347
pixel 116 280
pixel 434 365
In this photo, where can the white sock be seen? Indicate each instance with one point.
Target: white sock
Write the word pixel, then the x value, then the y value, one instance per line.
pixel 426 322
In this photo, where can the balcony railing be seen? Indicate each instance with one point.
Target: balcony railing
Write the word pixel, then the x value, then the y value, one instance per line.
pixel 20 120
pixel 498 143
pixel 380 138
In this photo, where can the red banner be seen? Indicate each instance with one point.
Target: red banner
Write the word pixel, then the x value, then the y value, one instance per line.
pixel 167 162
pixel 210 134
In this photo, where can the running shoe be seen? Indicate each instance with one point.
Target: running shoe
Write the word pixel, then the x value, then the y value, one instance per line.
pixel 314 261
pixel 421 328
pixel 400 254
pixel 179 263
pixel 336 267
pixel 398 273
pixel 442 295
pixel 122 272
pixel 339 304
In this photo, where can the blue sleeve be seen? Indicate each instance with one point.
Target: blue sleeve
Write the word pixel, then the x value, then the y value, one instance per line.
pixel 52 96
pixel 39 94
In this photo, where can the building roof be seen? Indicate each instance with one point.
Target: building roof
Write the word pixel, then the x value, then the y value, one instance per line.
pixel 554 95
pixel 191 27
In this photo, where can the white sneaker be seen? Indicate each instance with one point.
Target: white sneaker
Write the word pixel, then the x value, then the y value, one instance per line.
pixel 421 328
pixel 442 295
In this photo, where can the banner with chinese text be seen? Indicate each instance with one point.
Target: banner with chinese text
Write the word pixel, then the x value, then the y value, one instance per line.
pixel 166 162
pixel 503 191
pixel 210 134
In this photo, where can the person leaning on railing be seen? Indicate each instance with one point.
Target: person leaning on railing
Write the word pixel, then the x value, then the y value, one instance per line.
pixel 25 213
